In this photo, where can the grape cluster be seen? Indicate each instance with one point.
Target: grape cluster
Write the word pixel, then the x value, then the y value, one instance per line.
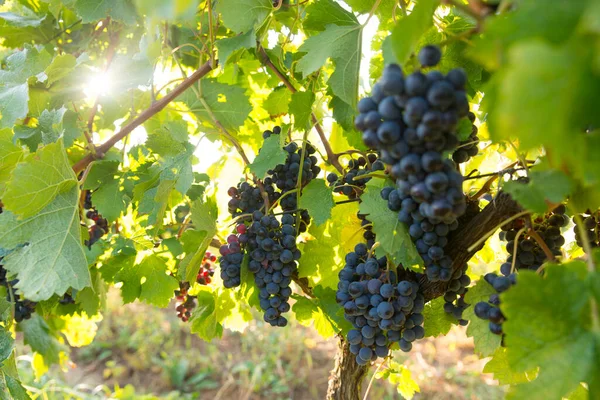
pixel 591 224
pixel 269 243
pixel 23 308
pixel 232 256
pixel 468 147
pixel 490 310
pixel 455 294
pixel 529 255
pixel 273 256
pixel 346 184
pixel 207 269
pixel 382 310
pixel 100 225
pixel 185 302
pixel 412 122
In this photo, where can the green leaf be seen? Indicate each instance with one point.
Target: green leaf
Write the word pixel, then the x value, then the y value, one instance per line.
pixel 213 308
pixel 229 104
pixel 270 155
pixel 301 108
pixel 392 234
pixel 278 102
pixel 104 179
pixel 204 218
pixel 244 15
pixel 409 29
pixel 548 331
pixel 38 335
pixel 38 179
pixel 157 288
pixel 11 388
pixel 25 27
pixel 499 366
pixel 169 139
pixel 10 155
pixel 544 188
pixel 14 89
pixel 485 341
pixel 317 199
pixel 343 45
pixel 324 252
pixel 94 10
pixel 50 128
pixel 48 257
pixel 61 66
pixel 319 312
pixel 229 46
pixel 326 12
pixel 437 321
pixel 7 343
pixel 171 10
pixel 400 376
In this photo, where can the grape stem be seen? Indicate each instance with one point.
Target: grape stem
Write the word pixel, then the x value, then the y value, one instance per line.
pixel 496 174
pixel 516 248
pixel 332 157
pixel 542 244
pixel 366 396
pixel 143 117
pixel 370 175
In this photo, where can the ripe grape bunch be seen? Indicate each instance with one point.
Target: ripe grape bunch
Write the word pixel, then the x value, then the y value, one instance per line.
pixel 529 255
pixel 347 184
pixel 454 297
pixel 207 269
pixel 382 310
pixel 591 225
pixel 23 308
pixel 412 122
pixel 270 243
pixel 185 302
pixel 100 225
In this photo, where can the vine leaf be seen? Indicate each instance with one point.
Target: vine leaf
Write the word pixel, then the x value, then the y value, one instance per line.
pixel 323 253
pixel 437 321
pixel 498 366
pixel 230 46
pixel 7 343
pixel 485 341
pixel 48 257
pixel 409 30
pixel 543 187
pixel 14 88
pixel 17 29
pixel 322 312
pixel 547 331
pixel 213 308
pixel 38 179
pixel 10 155
pixel 278 102
pixel 158 287
pixel 244 15
pixel 168 139
pixel 229 104
pixel 301 108
pixel 343 45
pixel 270 155
pixel 400 376
pixel 52 124
pixel 317 199
pixel 325 12
pixel 94 10
pixel 41 338
pixel 393 236
pixel 204 218
pixel 108 198
pixel 61 67
pixel 11 388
